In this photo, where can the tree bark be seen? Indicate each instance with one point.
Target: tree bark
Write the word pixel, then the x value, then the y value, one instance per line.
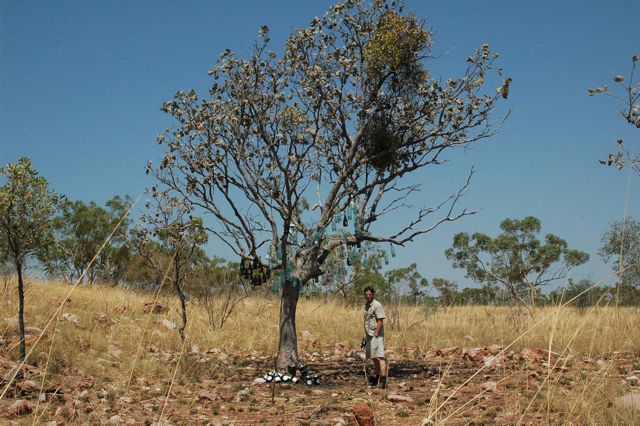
pixel 288 347
pixel 22 354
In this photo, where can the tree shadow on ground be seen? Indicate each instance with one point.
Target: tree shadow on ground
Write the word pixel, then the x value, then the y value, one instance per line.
pixel 350 372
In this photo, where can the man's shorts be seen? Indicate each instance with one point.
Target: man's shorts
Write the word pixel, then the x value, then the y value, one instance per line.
pixel 374 347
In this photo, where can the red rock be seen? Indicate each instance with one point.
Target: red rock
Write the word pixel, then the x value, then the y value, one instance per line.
pixel 27 387
pixel 102 319
pixel 533 355
pixel 155 307
pixel 207 395
pixel 363 414
pixel 475 354
pixel 65 412
pixel 19 408
pixel 448 351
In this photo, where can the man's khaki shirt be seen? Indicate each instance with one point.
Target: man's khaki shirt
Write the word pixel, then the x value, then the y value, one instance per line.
pixel 372 313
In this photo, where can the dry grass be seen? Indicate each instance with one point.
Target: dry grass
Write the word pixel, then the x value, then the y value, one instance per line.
pixel 111 354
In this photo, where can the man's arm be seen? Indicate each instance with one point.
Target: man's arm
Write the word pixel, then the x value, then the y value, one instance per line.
pixel 378 327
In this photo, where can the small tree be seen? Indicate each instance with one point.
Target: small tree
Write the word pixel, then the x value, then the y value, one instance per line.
pixel 447 289
pixel 621 246
pixel 583 292
pixel 515 259
pixel 26 208
pixel 350 109
pixel 173 231
pixel 81 229
pixel 219 289
pixel 349 270
pixel 410 279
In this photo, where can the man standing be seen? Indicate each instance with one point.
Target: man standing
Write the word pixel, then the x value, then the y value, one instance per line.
pixel 374 337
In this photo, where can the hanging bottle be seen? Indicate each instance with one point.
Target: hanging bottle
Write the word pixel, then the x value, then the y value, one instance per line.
pixel 393 250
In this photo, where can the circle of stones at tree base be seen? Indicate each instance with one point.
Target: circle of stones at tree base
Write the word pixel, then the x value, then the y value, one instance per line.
pixel 306 377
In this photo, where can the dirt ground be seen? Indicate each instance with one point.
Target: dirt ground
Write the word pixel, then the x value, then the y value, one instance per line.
pixel 445 384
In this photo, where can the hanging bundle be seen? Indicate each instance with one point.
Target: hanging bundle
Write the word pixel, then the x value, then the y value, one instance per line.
pixel 254 270
pixel 245 268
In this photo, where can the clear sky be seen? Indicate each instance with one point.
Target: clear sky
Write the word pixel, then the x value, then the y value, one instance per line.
pixel 81 84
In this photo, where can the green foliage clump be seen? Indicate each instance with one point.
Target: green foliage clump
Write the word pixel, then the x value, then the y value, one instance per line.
pixel 516 258
pixel 395 46
pixel 90 241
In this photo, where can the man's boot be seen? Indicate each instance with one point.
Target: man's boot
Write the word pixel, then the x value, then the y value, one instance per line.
pixel 373 381
pixel 382 383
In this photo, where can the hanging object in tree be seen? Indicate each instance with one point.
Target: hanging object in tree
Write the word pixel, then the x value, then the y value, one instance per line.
pixel 254 271
pixel 393 250
pixel 245 268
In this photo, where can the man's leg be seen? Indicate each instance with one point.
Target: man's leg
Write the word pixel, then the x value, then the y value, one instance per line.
pixel 373 380
pixel 382 365
pixel 381 362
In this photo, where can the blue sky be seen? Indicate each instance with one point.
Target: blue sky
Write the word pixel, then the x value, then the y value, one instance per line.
pixel 81 84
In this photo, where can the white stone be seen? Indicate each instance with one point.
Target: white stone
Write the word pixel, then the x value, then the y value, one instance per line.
pixel 70 317
pixel 168 324
pixel 490 386
pixel 399 398
pixel 630 400
pixel 115 420
pixel 633 380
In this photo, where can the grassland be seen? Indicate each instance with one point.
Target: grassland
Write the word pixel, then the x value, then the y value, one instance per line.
pixel 103 358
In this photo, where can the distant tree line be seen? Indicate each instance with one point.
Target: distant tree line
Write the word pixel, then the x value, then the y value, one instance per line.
pixel 82 242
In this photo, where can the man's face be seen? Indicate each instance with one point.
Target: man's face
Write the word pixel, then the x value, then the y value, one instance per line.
pixel 368 296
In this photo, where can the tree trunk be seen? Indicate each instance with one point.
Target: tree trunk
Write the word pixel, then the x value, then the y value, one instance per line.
pixel 288 347
pixel 181 296
pixel 532 294
pixel 22 354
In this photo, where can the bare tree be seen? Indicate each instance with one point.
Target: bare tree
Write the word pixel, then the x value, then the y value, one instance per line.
pixel 344 114
pixel 628 94
pixel 171 234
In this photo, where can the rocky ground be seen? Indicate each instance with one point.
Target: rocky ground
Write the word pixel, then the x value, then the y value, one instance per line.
pixel 475 385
